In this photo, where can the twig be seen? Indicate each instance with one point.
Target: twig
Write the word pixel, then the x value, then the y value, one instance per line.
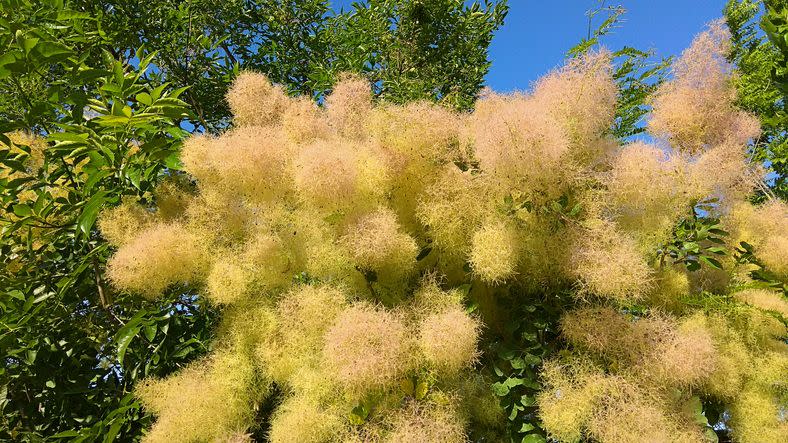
pixel 103 296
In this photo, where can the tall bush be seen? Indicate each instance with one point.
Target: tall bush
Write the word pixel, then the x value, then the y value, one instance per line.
pixel 364 254
pixel 95 99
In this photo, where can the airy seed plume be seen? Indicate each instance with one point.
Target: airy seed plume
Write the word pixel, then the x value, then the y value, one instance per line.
pixel 345 243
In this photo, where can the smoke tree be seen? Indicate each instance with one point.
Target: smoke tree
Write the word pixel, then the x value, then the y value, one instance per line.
pixel 83 124
pixel 363 254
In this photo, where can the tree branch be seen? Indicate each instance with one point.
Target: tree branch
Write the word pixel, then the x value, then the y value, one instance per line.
pixel 104 297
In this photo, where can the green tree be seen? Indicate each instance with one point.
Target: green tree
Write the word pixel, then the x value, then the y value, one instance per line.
pixel 415 49
pixel 94 131
pixel 761 56
pixel 204 43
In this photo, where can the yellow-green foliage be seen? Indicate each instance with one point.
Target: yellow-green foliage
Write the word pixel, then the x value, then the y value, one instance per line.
pixel 649 192
pixel 695 110
pixel 766 229
pixel 124 222
pixel 624 367
pixel 300 421
pixel 764 299
pixel 304 315
pixel 332 237
pixel 429 423
pixel 608 263
pixel 173 196
pixel 254 101
pixel 377 243
pixel 570 398
pixel 262 266
pixel 758 419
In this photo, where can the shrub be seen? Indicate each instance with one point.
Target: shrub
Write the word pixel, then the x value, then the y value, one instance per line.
pixel 353 226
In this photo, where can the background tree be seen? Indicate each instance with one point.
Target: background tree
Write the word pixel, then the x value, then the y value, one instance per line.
pixel 760 55
pixel 413 50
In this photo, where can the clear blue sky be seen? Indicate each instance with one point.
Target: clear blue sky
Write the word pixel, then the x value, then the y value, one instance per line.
pixel 537 33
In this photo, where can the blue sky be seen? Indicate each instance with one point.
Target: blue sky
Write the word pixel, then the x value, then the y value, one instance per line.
pixel 537 33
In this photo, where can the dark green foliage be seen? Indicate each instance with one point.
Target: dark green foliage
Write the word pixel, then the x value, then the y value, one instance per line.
pixel 204 43
pixel 696 239
pixel 409 49
pixel 43 67
pixel 416 49
pixel 62 336
pixel 529 336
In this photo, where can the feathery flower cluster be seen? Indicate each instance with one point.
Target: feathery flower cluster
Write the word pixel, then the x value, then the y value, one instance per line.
pixel 332 237
pixel 629 377
pixel 210 400
pixel 766 229
pixel 624 367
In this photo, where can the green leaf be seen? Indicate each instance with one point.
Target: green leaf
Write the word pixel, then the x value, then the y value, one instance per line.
pixel 407 386
pixel 150 332
pixel 694 408
pixel 27 43
pixel 124 340
pixel 690 246
pixel 533 438
pixel 517 363
pixel 68 136
pixel 144 98
pixel 22 210
pixel 421 390
pixel 94 178
pixel 711 262
pixel 53 50
pixel 134 175
pixel 500 389
pixel 359 414
pixel 512 382
pixel 526 427
pixel 423 253
pixel 90 211
pixel 692 265
pixel 710 436
pixel 113 431
pixel 112 120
